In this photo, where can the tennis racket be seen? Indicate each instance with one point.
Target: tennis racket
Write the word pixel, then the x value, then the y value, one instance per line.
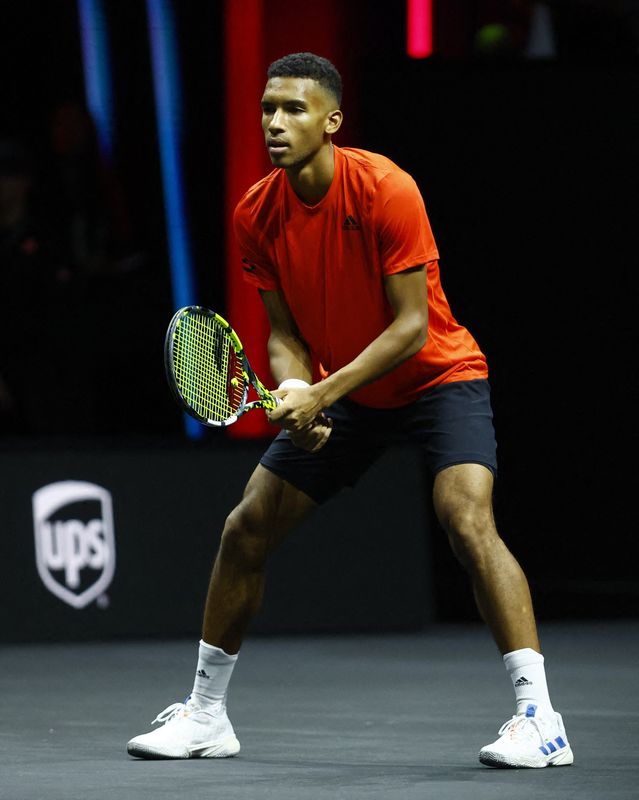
pixel 207 369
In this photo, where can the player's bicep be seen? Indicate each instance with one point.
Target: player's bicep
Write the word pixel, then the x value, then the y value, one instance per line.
pixel 289 356
pixel 407 294
pixel 279 314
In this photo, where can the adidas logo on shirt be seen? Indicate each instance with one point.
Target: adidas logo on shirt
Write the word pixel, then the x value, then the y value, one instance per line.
pixel 523 681
pixel 350 224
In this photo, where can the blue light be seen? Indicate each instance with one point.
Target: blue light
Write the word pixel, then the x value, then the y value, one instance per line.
pixel 97 72
pixel 168 106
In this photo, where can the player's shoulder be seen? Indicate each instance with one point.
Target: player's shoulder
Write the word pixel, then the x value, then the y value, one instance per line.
pixel 375 169
pixel 260 194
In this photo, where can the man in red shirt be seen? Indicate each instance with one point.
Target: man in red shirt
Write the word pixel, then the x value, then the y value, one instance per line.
pixel 338 243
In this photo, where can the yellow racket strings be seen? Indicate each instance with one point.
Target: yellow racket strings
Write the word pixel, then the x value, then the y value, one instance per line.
pixel 201 358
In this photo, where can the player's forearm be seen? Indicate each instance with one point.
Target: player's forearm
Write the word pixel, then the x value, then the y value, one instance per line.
pixel 402 339
pixel 289 358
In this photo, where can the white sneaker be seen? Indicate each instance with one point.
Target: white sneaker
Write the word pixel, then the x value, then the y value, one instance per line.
pixel 529 740
pixel 188 732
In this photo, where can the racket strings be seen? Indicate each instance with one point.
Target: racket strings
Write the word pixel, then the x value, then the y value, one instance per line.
pixel 203 376
pixel 192 377
pixel 207 371
pixel 231 374
pixel 210 353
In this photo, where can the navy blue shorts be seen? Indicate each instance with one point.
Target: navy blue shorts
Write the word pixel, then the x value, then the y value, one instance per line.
pixel 451 424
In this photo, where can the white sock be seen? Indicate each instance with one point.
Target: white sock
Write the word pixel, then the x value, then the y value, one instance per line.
pixel 214 669
pixel 526 669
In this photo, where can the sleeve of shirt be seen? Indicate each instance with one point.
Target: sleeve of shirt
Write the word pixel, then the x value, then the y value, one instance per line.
pixel 404 233
pixel 257 270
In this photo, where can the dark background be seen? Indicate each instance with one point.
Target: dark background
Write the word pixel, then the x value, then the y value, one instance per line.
pixel 529 172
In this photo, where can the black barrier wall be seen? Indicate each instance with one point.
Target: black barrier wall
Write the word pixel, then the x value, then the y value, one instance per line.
pixel 114 544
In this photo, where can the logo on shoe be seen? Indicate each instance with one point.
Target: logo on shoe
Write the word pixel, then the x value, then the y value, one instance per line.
pixel 523 681
pixel 74 540
pixel 202 674
pixel 552 747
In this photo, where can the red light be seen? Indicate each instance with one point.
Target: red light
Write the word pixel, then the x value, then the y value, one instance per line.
pixel 419 28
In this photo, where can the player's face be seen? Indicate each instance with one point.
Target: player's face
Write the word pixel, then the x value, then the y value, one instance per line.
pixel 297 116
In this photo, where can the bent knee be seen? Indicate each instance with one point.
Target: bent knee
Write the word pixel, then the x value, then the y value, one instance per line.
pixel 471 534
pixel 244 538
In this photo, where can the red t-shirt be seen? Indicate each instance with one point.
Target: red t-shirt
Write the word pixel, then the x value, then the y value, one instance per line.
pixel 329 261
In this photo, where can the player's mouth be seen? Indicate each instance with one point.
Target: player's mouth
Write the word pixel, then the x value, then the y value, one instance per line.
pixel 276 146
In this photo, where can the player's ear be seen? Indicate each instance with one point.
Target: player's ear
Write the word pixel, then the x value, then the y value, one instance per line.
pixel 333 121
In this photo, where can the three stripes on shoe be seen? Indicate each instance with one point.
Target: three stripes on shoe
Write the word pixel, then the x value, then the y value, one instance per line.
pixel 549 747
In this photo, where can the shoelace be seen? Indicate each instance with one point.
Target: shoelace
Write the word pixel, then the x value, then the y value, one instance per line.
pixel 177 710
pixel 517 724
pixel 170 712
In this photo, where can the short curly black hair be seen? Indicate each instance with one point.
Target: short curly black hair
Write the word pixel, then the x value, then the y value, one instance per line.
pixel 308 65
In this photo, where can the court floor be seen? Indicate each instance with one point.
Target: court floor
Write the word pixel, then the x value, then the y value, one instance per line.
pixel 393 716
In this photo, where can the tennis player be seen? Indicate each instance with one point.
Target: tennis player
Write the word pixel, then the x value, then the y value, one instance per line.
pixel 339 245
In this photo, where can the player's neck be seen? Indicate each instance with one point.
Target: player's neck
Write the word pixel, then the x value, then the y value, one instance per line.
pixel 312 180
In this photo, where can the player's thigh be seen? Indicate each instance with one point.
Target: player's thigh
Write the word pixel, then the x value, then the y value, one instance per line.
pixel 270 508
pixel 462 499
pixel 452 424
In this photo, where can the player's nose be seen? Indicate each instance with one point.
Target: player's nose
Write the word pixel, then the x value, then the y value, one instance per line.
pixel 276 123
